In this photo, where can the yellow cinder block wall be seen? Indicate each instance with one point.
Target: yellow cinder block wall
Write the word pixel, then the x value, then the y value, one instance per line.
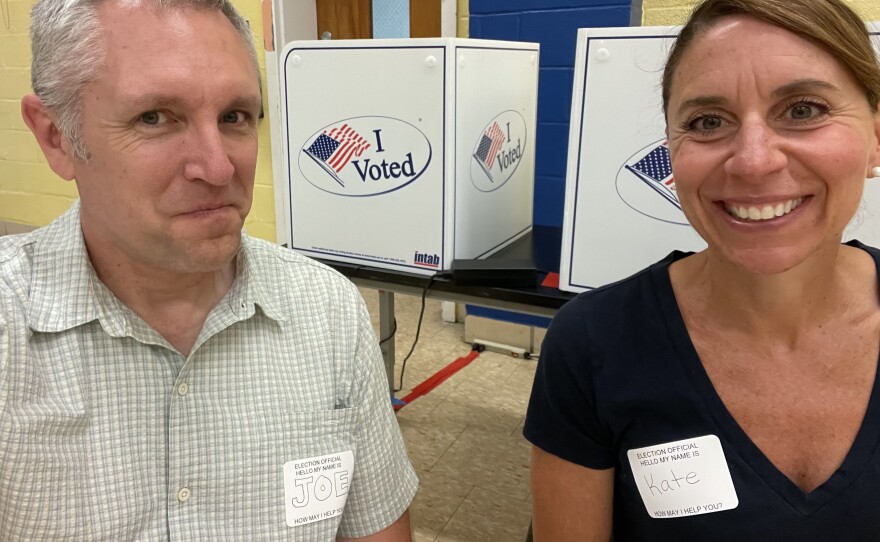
pixel 675 12
pixel 463 15
pixel 30 193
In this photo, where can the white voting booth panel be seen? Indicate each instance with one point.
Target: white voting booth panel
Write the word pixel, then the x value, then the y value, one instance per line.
pixel 621 210
pixel 407 154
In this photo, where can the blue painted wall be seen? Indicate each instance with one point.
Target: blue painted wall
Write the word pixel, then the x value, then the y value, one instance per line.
pixel 553 24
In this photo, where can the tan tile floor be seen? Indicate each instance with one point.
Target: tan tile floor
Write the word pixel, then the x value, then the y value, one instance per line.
pixel 465 437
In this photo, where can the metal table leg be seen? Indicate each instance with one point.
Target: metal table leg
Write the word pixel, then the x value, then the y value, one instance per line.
pixel 386 329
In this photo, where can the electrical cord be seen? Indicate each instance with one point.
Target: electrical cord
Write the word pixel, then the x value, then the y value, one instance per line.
pixel 418 327
pixel 393 333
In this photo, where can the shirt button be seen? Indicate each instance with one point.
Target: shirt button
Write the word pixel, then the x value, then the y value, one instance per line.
pixel 182 389
pixel 183 494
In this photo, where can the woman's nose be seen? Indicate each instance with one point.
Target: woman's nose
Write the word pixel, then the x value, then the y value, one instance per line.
pixel 756 152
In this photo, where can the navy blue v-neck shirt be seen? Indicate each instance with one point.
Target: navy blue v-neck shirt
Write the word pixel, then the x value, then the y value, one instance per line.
pixel 618 372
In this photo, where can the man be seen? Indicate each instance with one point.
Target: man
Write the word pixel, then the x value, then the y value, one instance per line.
pixel 162 375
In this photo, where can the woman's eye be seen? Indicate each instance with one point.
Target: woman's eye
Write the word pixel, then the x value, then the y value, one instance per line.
pixel 709 123
pixel 705 123
pixel 806 111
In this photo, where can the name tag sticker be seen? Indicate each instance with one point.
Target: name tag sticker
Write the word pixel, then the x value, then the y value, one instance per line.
pixel 316 488
pixel 683 478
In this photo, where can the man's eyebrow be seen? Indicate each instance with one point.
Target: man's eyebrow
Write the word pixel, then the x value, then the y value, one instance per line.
pixel 248 103
pixel 803 85
pixel 158 101
pixel 147 101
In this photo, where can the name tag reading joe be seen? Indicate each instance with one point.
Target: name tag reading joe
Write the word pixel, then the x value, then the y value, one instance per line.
pixel 316 488
pixel 683 478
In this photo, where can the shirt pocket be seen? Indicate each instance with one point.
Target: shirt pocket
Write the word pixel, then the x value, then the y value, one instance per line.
pixel 258 464
pixel 321 432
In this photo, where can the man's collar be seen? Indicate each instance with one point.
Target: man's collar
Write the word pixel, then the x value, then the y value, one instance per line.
pixel 253 284
pixel 65 291
pixel 61 295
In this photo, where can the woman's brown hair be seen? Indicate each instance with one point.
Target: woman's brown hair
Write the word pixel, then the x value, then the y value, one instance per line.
pixel 830 24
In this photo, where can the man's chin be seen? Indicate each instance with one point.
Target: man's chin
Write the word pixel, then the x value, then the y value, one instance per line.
pixel 206 255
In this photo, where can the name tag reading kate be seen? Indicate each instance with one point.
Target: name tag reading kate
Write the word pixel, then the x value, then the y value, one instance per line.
pixel 683 478
pixel 316 488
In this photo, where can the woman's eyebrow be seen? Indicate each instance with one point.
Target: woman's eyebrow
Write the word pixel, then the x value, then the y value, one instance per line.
pixel 803 85
pixel 702 101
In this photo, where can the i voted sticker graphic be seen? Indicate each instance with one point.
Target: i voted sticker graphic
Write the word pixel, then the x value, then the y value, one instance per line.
pixel 316 488
pixel 364 156
pixel 498 151
pixel 683 478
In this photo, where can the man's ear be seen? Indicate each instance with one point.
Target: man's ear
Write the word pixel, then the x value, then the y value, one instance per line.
pixel 54 144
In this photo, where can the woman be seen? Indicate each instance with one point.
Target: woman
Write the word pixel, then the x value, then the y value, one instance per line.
pixel 731 394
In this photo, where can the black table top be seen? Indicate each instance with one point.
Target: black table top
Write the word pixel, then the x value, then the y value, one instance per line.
pixel 541 246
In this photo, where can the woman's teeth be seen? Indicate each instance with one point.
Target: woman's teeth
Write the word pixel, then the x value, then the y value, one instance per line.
pixel 764 212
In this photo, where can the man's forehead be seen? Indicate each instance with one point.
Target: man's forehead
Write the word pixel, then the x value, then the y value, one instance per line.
pixel 133 15
pixel 127 23
pixel 144 29
pixel 167 56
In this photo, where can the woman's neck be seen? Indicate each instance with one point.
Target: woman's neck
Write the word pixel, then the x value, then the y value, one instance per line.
pixel 775 308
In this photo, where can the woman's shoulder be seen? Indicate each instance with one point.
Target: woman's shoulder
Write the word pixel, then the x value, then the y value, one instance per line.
pixel 624 298
pixel 872 251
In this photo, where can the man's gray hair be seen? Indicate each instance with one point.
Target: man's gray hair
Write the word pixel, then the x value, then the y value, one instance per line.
pixel 67 54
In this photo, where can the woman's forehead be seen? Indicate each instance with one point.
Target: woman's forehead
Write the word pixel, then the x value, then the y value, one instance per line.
pixel 745 47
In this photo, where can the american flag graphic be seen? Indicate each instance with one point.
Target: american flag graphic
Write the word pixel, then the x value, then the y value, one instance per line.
pixel 488 147
pixel 655 170
pixel 332 150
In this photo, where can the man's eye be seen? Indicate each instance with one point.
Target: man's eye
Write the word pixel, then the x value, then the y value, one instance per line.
pixel 233 117
pixel 152 118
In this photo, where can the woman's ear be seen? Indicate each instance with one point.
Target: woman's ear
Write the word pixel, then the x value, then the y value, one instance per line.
pixel 874 159
pixel 53 143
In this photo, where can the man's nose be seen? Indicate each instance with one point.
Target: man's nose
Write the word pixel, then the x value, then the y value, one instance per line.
pixel 207 157
pixel 756 152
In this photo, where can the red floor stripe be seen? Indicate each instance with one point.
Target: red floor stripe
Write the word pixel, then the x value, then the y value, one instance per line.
pixel 437 378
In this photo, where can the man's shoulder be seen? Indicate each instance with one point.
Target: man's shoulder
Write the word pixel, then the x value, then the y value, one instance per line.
pixel 16 264
pixel 288 262
pixel 53 246
pixel 19 251
pixel 16 245
pixel 294 281
pixel 16 256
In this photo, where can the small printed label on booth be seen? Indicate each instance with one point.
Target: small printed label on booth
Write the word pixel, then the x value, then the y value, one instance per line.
pixel 683 478
pixel 316 488
pixel 426 259
pixel 365 156
pixel 498 151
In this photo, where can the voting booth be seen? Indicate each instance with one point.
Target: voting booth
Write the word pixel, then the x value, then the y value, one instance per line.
pixel 406 154
pixel 621 210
